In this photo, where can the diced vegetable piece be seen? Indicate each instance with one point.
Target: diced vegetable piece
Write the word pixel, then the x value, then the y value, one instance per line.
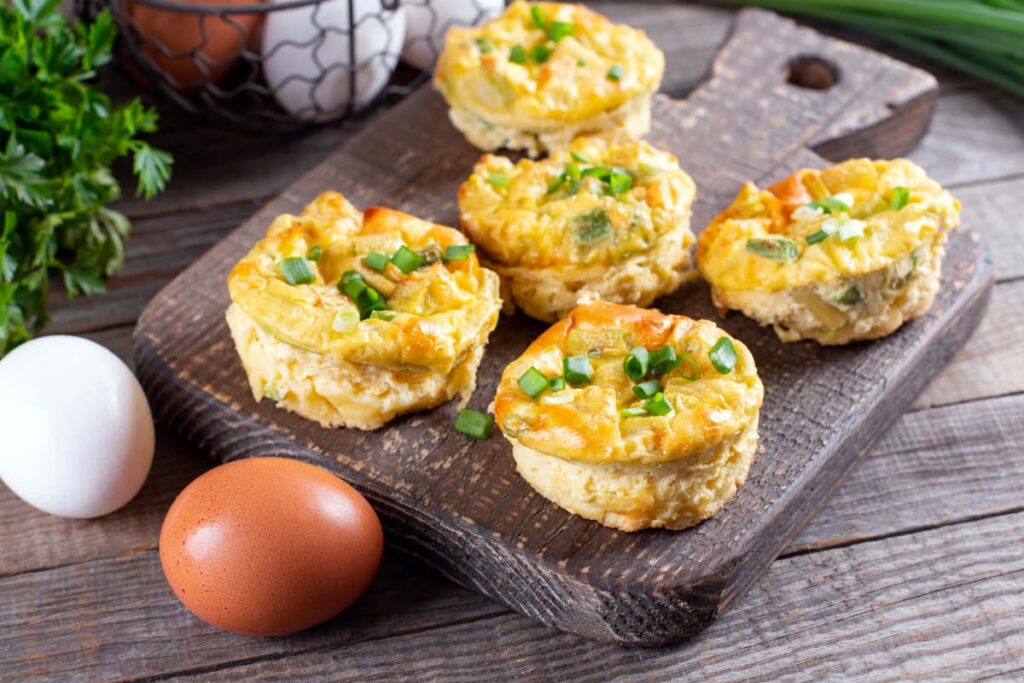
pixel 593 226
pixel 663 360
pixel 723 355
pixel 376 260
pixel 776 248
pixel 296 271
pixel 647 389
pixel 314 253
pixel 900 196
pixel 850 296
pixel 658 405
pixel 636 411
pixel 636 363
pixel 474 424
pixel 577 370
pixel 406 260
pixel 457 252
pixel 615 73
pixel 533 382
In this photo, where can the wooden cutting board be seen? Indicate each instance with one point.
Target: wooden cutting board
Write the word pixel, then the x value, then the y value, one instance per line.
pixel 779 97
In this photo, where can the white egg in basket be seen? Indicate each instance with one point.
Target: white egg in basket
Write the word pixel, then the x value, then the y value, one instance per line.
pixel 306 55
pixel 427 22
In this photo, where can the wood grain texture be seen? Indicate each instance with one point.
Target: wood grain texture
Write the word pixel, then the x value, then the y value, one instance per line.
pixel 112 617
pixel 920 607
pixel 444 500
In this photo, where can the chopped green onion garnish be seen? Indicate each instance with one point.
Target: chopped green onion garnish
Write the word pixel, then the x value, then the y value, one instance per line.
pixel 581 62
pixel 693 370
pixel 457 252
pixel 658 405
pixel 376 260
pixel 593 226
pixel 315 253
pixel 296 271
pixel 817 237
pixel 579 157
pixel 540 53
pixel 851 230
pixel 577 370
pixel 406 260
pixel 619 182
pixel 599 172
pixel 723 355
pixel 383 315
pixel 557 383
pixel 365 297
pixel 831 205
pixel 498 179
pixel 663 360
pixel 900 196
pixel 533 382
pixel 474 424
pixel 345 320
pixel 636 363
pixel 558 30
pixel 776 248
pixel 537 16
pixel 633 412
pixel 517 55
pixel 615 72
pixel 849 297
pixel 484 45
pixel 647 389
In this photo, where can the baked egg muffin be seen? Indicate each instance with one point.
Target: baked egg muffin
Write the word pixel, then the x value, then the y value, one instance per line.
pixel 839 255
pixel 543 73
pixel 350 319
pixel 632 418
pixel 610 216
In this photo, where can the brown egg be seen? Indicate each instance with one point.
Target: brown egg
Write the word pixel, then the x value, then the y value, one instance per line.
pixel 267 546
pixel 219 40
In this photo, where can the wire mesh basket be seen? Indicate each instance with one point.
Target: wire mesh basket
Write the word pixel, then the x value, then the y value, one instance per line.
pixel 276 66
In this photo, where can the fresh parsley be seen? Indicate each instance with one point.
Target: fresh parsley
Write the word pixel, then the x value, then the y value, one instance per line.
pixel 59 135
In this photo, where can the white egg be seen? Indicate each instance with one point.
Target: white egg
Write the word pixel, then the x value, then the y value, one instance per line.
pixel 427 22
pixel 306 58
pixel 76 434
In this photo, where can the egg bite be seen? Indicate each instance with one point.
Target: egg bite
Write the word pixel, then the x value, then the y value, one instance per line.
pixel 840 255
pixel 609 216
pixel 350 319
pixel 631 417
pixel 542 73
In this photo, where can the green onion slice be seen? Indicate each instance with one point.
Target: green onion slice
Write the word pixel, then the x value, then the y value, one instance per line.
pixel 817 237
pixel 296 271
pixel 619 182
pixel 615 72
pixel 406 260
pixel 376 260
pixel 557 383
pixel 693 370
pixel 365 297
pixel 345 320
pixel 579 157
pixel 383 315
pixel 538 18
pixel 849 297
pixel 658 405
pixel 457 252
pixel 776 248
pixel 577 370
pixel 474 424
pixel 533 382
pixel 636 363
pixel 484 45
pixel 633 412
pixel 723 355
pixel 593 226
pixel 314 253
pixel 540 53
pixel 498 179
pixel 647 389
pixel 900 196
pixel 517 55
pixel 663 360
pixel 557 30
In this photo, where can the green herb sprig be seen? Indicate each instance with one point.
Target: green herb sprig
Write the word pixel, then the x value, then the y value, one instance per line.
pixel 59 135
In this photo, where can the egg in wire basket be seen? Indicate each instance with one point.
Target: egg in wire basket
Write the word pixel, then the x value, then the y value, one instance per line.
pixel 844 254
pixel 543 73
pixel 631 417
pixel 609 216
pixel 350 319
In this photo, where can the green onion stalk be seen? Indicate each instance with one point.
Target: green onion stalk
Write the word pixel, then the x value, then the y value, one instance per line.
pixel 981 38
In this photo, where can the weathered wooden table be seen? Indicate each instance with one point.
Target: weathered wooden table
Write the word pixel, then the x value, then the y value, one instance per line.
pixel 914 570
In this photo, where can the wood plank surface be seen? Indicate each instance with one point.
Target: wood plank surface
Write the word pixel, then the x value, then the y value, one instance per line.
pixel 947 459
pixel 645 588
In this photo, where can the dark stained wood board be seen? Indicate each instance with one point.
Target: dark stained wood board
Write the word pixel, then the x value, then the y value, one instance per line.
pixel 458 505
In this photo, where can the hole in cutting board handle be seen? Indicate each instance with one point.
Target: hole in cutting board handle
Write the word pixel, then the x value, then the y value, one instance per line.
pixel 812 73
